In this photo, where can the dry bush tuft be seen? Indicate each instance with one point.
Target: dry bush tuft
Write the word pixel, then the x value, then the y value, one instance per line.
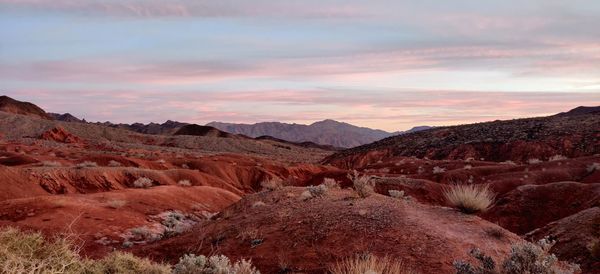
pixel 184 183
pixel 523 258
pixel 217 264
pixel 142 182
pixel 87 164
pixel 116 203
pixel 533 161
pixel 367 264
pixel 272 184
pixel 398 194
pixel 51 164
pixel 25 252
pixel 470 198
pixel 557 157
pixel 438 170
pixel 331 183
pixel 592 167
pixel 362 184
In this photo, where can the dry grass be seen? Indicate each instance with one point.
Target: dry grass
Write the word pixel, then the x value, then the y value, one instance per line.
pixel 362 184
pixel 87 164
pixel 29 252
pixel 142 182
pixel 367 264
pixel 331 183
pixel 113 163
pixel 116 203
pixel 470 198
pixel 51 164
pixel 272 184
pixel 184 183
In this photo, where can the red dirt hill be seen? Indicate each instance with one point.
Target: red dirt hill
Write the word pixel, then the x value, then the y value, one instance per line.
pixel 59 134
pixel 277 229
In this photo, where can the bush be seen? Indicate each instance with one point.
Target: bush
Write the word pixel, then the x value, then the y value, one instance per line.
pixel 534 161
pixel 314 192
pixel 30 252
pixel 218 264
pixel 184 183
pixel 87 164
pixel 122 262
pixel 470 198
pixel 116 203
pixel 51 164
pixel 523 258
pixel 362 184
pixel 331 183
pixel 593 167
pixel 271 184
pixel 557 158
pixel 367 264
pixel 398 194
pixel 438 170
pixel 142 182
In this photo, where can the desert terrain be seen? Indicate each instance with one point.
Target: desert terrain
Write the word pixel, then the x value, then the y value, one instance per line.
pixel 291 207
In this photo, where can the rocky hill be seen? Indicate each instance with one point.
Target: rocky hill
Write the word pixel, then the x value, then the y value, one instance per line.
pixel 571 135
pixel 11 105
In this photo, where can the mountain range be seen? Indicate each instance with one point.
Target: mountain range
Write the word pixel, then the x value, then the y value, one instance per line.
pixel 326 132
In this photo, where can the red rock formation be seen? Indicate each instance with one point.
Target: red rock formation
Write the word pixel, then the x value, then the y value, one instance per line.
pixel 59 134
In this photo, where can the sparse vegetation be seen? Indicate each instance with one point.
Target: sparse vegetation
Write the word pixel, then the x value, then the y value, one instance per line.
pixel 116 203
pixel 87 164
pixel 314 192
pixel 143 182
pixel 469 198
pixel 362 184
pixel 533 161
pixel 367 264
pixel 331 183
pixel 593 167
pixel 398 194
pixel 30 252
pixel 184 183
pixel 557 158
pixel 272 184
pixel 524 258
pixel 51 164
pixel 218 264
pixel 438 170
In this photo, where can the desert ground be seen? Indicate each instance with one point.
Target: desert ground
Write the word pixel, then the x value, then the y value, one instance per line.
pixel 291 208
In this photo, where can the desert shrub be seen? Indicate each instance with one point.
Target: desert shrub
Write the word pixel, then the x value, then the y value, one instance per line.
pixel 51 164
pixel 398 194
pixel 509 162
pixel 469 198
pixel 534 161
pixel 272 184
pixel 331 183
pixel 218 264
pixel 523 258
pixel 185 166
pixel 113 163
pixel 468 167
pixel 438 170
pixel 592 167
pixel 367 264
pixel 184 183
pixel 557 158
pixel 258 204
pixel 87 164
pixel 30 252
pixel 24 252
pixel 161 161
pixel 115 203
pixel 362 184
pixel 122 262
pixel 317 191
pixel 142 182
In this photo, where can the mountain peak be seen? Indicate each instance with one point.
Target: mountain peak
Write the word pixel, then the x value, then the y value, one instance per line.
pixel 11 105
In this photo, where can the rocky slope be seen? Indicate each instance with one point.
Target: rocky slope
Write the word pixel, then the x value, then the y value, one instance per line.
pixel 516 140
pixel 11 105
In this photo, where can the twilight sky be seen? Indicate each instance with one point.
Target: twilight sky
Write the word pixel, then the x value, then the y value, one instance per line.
pixel 382 64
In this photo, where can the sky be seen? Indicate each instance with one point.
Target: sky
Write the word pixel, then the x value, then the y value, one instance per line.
pixel 389 65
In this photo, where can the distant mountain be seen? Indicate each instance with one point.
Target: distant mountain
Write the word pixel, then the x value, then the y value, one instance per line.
pixel 326 132
pixel 197 130
pixel 167 128
pixel 67 117
pixel 11 105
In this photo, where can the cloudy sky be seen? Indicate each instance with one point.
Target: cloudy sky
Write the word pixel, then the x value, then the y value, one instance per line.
pixel 382 64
